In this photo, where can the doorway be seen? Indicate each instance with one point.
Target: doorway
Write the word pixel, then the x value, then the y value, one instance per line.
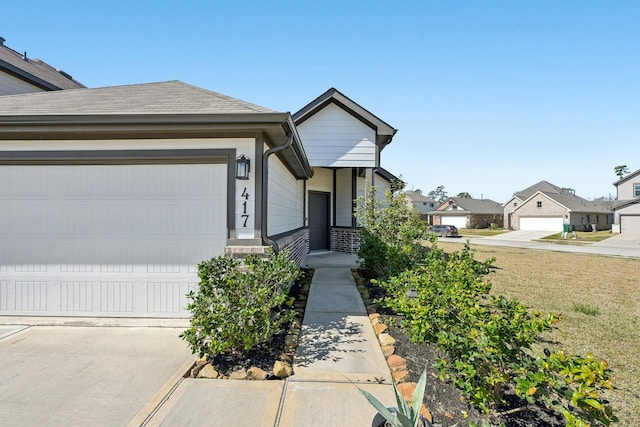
pixel 318 221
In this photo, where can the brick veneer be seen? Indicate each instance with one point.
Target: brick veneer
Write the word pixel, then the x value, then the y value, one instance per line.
pixel 345 239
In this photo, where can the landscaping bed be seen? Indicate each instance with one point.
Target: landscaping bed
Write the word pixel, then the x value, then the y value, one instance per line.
pixel 444 400
pixel 259 363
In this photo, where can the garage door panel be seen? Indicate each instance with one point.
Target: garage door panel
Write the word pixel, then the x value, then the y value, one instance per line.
pixel 458 221
pixel 630 224
pixel 541 223
pixel 108 240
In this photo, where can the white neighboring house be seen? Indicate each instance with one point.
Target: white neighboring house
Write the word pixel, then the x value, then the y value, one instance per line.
pixel 547 207
pixel 113 195
pixel 627 206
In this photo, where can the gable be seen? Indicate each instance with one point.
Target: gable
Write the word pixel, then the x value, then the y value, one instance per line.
pixel 334 138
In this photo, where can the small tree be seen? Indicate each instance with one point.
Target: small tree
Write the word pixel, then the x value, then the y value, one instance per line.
pixel 393 235
pixel 438 194
pixel 464 195
pixel 621 171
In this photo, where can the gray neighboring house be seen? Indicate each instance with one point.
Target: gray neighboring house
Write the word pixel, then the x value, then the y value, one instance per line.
pixel 21 74
pixel 420 203
pixel 547 207
pixel 626 208
pixel 468 213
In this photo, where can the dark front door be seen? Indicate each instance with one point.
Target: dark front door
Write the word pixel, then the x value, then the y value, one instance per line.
pixel 318 221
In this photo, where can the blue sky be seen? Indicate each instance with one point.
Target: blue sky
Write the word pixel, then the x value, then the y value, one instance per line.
pixel 488 97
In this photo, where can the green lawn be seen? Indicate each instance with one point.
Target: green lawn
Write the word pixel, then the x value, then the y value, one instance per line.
pixel 582 237
pixel 475 232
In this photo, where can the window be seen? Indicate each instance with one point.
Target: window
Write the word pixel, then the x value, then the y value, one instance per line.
pixel 539 204
pixel 588 219
pixel 636 189
pixel 515 204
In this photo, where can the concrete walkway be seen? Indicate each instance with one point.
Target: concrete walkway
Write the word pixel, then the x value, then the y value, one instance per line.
pixel 337 347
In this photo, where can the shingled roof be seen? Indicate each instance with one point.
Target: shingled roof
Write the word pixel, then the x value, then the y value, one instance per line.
pixel 172 97
pixel 476 206
pixel 543 186
pixel 34 71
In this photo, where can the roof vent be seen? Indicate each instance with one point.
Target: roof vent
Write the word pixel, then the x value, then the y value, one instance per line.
pixel 24 56
pixel 67 75
pixel 2 40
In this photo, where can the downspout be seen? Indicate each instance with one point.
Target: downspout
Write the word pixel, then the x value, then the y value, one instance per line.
pixel 265 189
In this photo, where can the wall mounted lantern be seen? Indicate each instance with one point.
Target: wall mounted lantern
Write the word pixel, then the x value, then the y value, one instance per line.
pixel 243 167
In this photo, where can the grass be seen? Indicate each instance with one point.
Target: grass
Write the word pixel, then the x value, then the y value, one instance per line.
pixel 582 237
pixel 607 287
pixel 474 232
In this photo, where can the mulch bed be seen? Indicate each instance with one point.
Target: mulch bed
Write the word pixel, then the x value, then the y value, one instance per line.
pixel 445 401
pixel 263 356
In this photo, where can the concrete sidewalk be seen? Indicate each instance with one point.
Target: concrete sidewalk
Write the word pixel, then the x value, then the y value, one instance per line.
pixel 337 346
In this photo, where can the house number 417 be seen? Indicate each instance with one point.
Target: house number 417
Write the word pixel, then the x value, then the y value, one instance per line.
pixel 245 215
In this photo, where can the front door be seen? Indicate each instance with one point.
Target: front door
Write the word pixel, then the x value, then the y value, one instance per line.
pixel 318 221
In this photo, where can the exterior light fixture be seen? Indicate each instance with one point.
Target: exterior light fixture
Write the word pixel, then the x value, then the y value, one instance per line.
pixel 243 167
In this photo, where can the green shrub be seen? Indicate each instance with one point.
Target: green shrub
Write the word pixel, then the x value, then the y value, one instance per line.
pixel 393 235
pixel 488 339
pixel 238 306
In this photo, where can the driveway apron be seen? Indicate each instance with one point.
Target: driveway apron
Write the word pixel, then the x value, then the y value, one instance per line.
pixel 80 376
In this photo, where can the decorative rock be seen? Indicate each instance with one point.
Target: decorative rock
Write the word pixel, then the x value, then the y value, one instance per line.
pixel 396 363
pixel 374 316
pixel 208 371
pixel 290 340
pixel 426 413
pixel 386 339
pixel 240 374
pixel 388 350
pixel 380 328
pixel 282 369
pixel 407 390
pixel 400 376
pixel 375 321
pixel 202 361
pixel 255 373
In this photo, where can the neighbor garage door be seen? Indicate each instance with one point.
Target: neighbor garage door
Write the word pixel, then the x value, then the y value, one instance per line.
pixel 458 221
pixel 107 240
pixel 630 224
pixel 541 224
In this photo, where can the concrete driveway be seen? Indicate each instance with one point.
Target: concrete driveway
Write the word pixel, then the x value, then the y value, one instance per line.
pixel 79 376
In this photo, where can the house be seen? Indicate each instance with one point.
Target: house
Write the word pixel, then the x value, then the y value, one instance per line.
pixel 420 203
pixel 547 207
pixel 112 196
pixel 468 213
pixel 21 74
pixel 626 208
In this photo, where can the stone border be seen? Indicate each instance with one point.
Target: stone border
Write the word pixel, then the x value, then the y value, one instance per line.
pixel 397 365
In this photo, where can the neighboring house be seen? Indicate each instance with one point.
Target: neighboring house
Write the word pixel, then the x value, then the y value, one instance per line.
pixel 468 213
pixel 21 74
pixel 112 196
pixel 547 207
pixel 420 203
pixel 626 208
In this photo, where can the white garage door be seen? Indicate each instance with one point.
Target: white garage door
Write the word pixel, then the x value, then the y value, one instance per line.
pixel 630 224
pixel 541 224
pixel 108 240
pixel 458 221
